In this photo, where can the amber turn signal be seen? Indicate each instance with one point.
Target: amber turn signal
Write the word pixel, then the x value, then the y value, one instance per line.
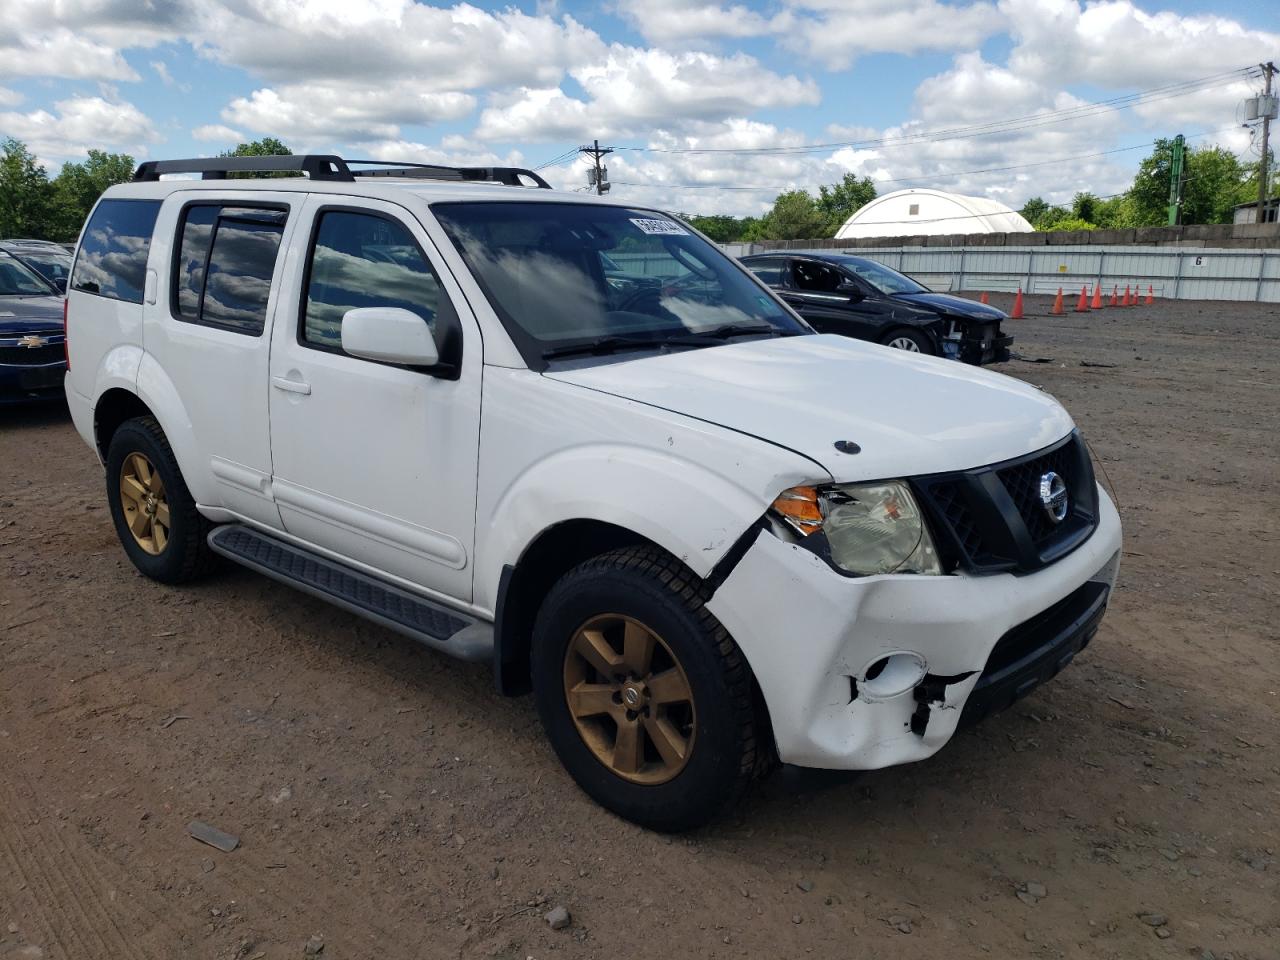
pixel 799 507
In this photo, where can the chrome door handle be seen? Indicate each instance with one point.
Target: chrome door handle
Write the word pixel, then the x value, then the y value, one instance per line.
pixel 290 386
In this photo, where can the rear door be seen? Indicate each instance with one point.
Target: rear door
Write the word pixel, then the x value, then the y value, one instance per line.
pixel 375 462
pixel 206 324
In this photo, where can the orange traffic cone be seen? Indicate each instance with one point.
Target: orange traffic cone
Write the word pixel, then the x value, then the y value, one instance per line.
pixel 1057 304
pixel 1097 296
pixel 1115 297
pixel 1151 295
pixel 1083 305
pixel 1016 312
pixel 1126 302
pixel 985 298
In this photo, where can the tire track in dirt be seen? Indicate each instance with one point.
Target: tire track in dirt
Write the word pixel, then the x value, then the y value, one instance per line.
pixel 71 867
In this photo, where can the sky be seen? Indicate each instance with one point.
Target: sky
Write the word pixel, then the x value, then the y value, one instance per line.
pixel 712 107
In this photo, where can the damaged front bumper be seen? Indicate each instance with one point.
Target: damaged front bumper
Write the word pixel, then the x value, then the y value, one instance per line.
pixel 862 673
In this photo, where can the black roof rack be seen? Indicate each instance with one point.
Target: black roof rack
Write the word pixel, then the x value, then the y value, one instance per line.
pixel 509 176
pixel 316 166
pixel 332 168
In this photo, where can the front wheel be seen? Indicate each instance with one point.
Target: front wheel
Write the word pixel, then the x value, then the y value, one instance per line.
pixel 645 697
pixel 912 341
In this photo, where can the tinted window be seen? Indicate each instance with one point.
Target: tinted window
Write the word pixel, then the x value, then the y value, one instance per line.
pixel 51 266
pixel 226 257
pixel 18 280
pixel 112 261
pixel 361 260
pixel 816 277
pixel 770 271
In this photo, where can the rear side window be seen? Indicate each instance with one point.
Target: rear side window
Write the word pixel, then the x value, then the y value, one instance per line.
pixel 112 261
pixel 363 260
pixel 226 256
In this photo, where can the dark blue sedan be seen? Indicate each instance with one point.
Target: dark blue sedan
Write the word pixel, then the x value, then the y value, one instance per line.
pixel 32 353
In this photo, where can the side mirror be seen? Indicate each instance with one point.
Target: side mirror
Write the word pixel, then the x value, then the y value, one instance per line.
pixel 60 284
pixel 389 334
pixel 850 289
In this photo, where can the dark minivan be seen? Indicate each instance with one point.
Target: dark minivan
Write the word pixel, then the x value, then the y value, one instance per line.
pixel 861 298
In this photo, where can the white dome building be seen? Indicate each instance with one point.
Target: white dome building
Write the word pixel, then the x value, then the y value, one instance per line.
pixel 909 213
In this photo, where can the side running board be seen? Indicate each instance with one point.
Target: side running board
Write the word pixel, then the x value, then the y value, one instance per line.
pixel 433 624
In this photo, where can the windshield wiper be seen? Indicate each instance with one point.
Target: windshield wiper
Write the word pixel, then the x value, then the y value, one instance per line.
pixel 727 330
pixel 701 338
pixel 603 345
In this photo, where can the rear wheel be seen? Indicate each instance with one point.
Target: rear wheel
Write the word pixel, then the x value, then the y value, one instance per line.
pixel 912 341
pixel 154 514
pixel 644 695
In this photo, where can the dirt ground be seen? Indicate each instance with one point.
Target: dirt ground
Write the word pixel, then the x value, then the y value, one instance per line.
pixel 389 803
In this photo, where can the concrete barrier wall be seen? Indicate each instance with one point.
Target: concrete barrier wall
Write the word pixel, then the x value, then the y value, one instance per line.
pixel 1184 273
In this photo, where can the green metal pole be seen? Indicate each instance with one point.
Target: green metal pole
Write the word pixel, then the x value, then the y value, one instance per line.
pixel 1175 180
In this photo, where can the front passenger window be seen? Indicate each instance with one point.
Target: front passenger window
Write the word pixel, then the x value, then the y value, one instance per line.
pixel 816 277
pixel 363 260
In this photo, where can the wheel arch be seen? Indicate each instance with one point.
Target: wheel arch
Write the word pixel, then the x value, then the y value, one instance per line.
pixel 522 585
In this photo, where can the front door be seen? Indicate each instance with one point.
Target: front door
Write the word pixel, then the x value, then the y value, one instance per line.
pixel 374 462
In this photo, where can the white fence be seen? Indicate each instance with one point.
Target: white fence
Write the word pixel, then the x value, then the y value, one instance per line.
pixel 1184 273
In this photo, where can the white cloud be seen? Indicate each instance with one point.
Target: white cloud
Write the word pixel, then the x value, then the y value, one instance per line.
pixel 81 123
pixel 1113 43
pixel 162 71
pixel 305 115
pixel 679 23
pixel 633 90
pixel 9 98
pixel 217 133
pixel 836 32
pixel 58 52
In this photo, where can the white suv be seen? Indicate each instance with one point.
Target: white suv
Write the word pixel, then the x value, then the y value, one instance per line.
pixel 572 437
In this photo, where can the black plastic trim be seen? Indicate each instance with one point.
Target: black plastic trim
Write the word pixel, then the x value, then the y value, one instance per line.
pixel 316 166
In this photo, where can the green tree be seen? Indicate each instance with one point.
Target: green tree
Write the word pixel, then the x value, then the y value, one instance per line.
pixel 720 228
pixel 1215 182
pixel 77 187
pixel 266 147
pixel 1034 210
pixel 795 216
pixel 842 200
pixel 24 193
pixel 1084 206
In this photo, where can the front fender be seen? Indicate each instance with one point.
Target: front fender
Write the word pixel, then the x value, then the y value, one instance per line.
pixel 694 513
pixel 159 393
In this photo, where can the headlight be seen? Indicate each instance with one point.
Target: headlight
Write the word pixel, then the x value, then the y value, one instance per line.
pixel 869 528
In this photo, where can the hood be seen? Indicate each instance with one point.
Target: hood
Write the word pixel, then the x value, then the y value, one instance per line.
pixel 20 315
pixel 910 414
pixel 956 306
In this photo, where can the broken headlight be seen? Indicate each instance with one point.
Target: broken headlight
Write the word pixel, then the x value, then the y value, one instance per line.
pixel 868 528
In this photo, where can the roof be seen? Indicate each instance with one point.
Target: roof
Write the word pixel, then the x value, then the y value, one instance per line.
pixel 936 212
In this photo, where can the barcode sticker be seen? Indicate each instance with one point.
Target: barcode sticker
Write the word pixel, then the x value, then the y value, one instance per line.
pixel 660 227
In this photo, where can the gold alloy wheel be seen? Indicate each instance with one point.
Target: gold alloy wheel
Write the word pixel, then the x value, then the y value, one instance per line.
pixel 142 497
pixel 630 699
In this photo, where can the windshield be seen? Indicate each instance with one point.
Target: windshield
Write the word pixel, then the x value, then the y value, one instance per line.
pixel 17 280
pixel 885 280
pixel 52 266
pixel 561 274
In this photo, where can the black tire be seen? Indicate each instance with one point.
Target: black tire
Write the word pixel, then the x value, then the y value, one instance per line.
pixel 656 590
pixel 900 336
pixel 186 554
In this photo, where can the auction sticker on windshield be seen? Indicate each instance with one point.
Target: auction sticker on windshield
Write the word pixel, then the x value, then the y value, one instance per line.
pixel 665 227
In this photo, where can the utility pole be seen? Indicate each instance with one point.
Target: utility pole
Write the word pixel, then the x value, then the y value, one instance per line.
pixel 1268 70
pixel 598 175
pixel 1176 180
